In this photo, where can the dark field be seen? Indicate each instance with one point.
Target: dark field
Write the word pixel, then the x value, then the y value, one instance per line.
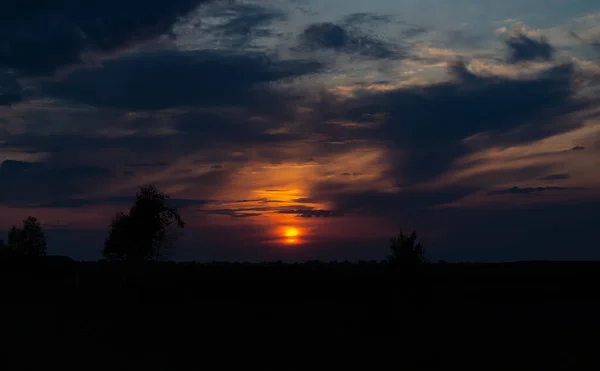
pixel 521 316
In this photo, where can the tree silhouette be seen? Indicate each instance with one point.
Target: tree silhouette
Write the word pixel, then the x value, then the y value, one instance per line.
pixel 407 250
pixel 28 240
pixel 147 231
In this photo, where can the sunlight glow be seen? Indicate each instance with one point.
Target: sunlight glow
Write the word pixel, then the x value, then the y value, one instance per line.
pixel 291 232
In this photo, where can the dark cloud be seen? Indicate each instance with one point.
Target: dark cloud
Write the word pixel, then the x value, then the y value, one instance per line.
pixel 522 48
pixel 10 90
pixel 529 190
pixel 8 99
pixel 312 213
pixel 116 200
pixel 331 36
pixel 217 97
pixel 146 165
pixel 37 37
pixel 129 173
pixel 233 213
pixel 376 203
pixel 164 79
pixel 12 169
pixel 32 182
pixel 556 177
pixel 217 166
pixel 425 126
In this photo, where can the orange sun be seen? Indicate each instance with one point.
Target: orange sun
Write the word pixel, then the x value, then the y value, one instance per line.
pixel 291 235
pixel 291 232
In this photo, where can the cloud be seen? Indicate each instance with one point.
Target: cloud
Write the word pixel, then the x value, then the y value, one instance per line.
pixel 556 177
pixel 156 106
pixel 34 182
pixel 522 48
pixel 231 25
pixel 335 37
pixel 39 37
pixel 530 190
pixel 233 213
pixel 427 126
pixel 165 79
pixel 124 201
pixel 594 44
pixel 578 148
pixel 312 213
pixel 367 22
pixel 10 90
pixel 365 18
pixel 146 165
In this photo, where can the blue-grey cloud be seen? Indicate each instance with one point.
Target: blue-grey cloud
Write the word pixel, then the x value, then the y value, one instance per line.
pixel 522 48
pixel 239 25
pixel 331 36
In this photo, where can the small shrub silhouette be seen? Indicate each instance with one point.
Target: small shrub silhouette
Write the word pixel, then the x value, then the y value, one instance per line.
pixel 407 250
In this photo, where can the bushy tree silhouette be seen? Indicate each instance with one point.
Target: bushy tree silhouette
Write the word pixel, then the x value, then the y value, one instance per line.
pixel 29 240
pixel 407 250
pixel 147 231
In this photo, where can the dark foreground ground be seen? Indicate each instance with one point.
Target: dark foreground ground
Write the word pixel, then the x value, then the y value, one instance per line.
pixel 58 314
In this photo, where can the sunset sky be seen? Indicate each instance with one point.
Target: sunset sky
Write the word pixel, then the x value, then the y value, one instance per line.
pixel 305 129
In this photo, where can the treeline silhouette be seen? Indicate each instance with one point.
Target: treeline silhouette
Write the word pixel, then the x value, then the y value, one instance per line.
pixel 150 229
pixel 133 311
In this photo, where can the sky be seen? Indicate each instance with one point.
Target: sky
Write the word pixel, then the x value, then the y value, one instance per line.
pixel 307 130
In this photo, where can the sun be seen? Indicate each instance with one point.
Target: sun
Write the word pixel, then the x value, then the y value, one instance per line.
pixel 291 232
